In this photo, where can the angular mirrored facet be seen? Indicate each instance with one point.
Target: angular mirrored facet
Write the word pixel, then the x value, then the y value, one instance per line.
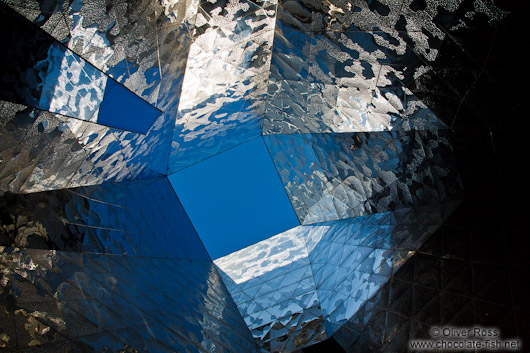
pixel 329 64
pixel 318 276
pixel 108 218
pixel 50 77
pixel 225 82
pixel 100 101
pixel 100 301
pixel 338 176
pixel 273 287
pixel 45 151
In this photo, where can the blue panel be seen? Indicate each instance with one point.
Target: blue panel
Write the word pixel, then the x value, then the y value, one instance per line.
pixel 228 195
pixel 124 110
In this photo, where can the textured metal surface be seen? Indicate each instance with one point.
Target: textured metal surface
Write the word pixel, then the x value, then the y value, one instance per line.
pixel 345 66
pixel 64 302
pixel 141 44
pixel 109 218
pixel 300 286
pixel 458 278
pixel 273 286
pixel 42 73
pixel 44 151
pixel 311 68
pixel 92 268
pixel 324 82
pixel 226 77
pixel 337 176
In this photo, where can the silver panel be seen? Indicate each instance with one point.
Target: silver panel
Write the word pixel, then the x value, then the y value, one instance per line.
pixel 344 67
pixel 92 302
pixel 318 276
pixel 367 166
pixel 337 176
pixel 225 81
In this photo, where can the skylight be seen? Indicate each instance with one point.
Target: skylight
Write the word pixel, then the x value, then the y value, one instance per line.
pixel 235 199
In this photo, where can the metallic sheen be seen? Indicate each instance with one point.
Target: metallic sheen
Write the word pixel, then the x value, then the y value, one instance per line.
pixel 96 250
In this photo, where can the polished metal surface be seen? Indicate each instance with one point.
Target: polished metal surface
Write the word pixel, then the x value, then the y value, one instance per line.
pixel 225 82
pixel 90 268
pixel 338 176
pixel 67 301
pixel 109 218
pixel 300 286
pixel 96 249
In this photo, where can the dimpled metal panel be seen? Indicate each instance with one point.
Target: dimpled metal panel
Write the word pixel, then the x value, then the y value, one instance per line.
pixel 142 45
pixel 345 66
pixel 300 286
pixel 93 268
pixel 107 218
pixel 92 302
pixel 337 176
pixel 334 68
pixel 46 151
pixel 225 81
pixel 367 166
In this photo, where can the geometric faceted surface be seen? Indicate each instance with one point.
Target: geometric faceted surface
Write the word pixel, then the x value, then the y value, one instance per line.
pixel 107 218
pixel 66 301
pixel 220 193
pixel 78 259
pixel 60 81
pixel 394 127
pixel 142 46
pixel 225 83
pixel 299 287
pixel 458 278
pixel 338 176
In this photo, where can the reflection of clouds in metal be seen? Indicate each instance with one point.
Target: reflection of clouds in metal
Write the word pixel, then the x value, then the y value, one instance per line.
pixel 321 274
pixel 225 80
pixel 53 151
pixel 44 74
pixel 115 40
pixel 327 82
pixel 311 68
pixel 71 88
pixel 337 176
pixel 341 67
